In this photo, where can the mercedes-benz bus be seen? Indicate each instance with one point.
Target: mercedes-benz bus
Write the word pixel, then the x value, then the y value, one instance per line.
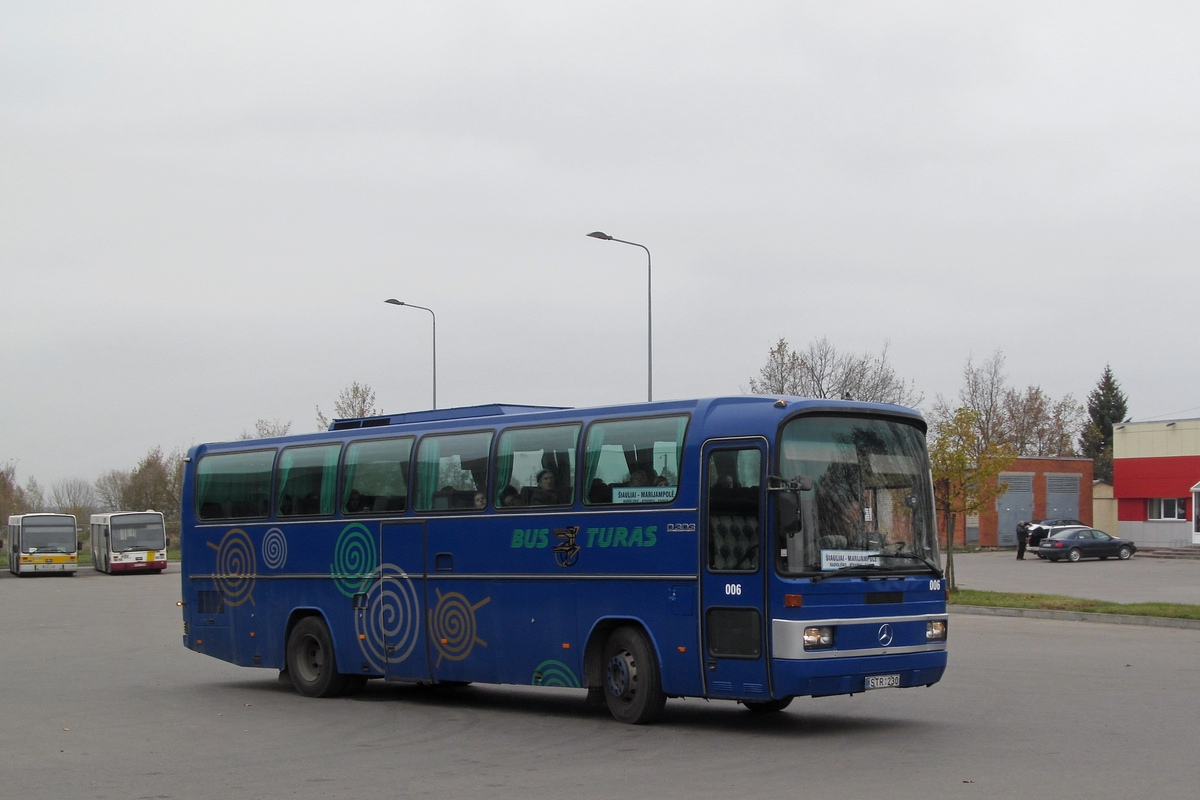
pixel 752 549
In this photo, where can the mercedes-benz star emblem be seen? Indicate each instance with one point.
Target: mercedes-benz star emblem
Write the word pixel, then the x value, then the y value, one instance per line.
pixel 885 634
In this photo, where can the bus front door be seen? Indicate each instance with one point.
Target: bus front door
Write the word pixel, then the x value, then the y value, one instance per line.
pixel 733 586
pixel 397 613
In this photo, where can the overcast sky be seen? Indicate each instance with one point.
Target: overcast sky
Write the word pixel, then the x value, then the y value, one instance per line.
pixel 203 206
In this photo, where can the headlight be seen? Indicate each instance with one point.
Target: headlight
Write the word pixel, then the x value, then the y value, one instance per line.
pixel 818 638
pixel 935 630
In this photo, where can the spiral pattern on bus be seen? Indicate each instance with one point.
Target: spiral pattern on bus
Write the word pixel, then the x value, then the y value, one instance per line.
pixel 392 615
pixel 235 568
pixel 452 626
pixel 355 559
pixel 554 673
pixel 274 549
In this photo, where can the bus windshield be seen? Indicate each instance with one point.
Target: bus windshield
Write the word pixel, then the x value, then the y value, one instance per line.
pixel 47 535
pixel 138 532
pixel 870 505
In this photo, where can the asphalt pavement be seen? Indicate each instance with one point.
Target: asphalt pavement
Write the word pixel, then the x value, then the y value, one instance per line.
pixel 1138 580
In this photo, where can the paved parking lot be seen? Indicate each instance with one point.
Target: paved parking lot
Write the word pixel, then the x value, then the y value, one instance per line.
pixel 1138 580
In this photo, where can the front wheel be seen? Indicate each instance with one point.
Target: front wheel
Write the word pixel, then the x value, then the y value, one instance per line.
pixel 767 706
pixel 312 666
pixel 1074 554
pixel 1124 553
pixel 632 685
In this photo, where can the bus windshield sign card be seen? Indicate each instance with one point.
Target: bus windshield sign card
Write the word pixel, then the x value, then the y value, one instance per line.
pixel 840 559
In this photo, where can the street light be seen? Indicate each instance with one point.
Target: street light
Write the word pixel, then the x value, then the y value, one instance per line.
pixel 649 310
pixel 396 302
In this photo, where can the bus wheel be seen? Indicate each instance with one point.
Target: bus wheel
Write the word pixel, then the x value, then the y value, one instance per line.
pixel 632 686
pixel 310 660
pixel 767 706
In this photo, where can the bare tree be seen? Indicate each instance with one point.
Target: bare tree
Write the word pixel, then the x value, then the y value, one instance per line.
pixel 355 401
pixel 822 371
pixel 266 428
pixel 1027 421
pixel 110 488
pixel 72 493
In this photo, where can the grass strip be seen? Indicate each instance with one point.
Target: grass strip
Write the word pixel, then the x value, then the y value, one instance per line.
pixel 1054 602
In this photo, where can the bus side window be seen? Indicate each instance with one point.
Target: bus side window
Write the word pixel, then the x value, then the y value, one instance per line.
pixel 536 466
pixel 375 479
pixel 633 460
pixel 450 469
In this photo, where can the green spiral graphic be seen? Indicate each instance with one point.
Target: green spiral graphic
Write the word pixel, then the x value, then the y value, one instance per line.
pixel 554 673
pixel 355 560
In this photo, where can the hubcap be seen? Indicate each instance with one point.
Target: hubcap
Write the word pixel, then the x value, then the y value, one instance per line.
pixel 622 675
pixel 313 659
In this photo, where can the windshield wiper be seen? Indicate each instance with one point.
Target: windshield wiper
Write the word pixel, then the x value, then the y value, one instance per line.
pixel 850 569
pixel 914 557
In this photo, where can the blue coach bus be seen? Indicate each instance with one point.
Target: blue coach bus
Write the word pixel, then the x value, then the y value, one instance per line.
pixel 747 548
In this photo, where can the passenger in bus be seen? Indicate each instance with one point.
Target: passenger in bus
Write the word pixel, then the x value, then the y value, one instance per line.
pixel 510 496
pixel 480 500
pixel 545 493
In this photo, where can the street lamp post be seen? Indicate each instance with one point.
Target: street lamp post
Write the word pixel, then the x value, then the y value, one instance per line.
pixel 649 310
pixel 396 302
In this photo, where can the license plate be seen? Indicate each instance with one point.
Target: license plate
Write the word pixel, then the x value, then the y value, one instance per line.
pixel 883 681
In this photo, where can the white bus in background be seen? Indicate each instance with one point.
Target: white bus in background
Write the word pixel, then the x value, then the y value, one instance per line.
pixel 42 543
pixel 129 541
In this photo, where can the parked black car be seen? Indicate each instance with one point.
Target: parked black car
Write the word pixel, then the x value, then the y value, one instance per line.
pixel 1076 543
pixel 1043 528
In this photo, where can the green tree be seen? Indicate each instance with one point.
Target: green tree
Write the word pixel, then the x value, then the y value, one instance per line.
pixel 965 472
pixel 1106 406
pixel 155 484
pixel 12 496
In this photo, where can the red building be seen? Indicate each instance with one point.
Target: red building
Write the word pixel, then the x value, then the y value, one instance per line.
pixel 1038 488
pixel 1156 479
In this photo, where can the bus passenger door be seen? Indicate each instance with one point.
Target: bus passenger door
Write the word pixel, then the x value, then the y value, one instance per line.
pixel 394 610
pixel 733 586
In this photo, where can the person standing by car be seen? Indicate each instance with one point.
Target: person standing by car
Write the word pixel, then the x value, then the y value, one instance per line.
pixel 1022 539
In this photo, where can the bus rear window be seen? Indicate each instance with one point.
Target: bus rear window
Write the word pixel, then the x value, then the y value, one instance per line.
pixel 633 460
pixel 234 485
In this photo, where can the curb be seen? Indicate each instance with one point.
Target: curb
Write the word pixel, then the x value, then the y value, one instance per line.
pixel 1076 616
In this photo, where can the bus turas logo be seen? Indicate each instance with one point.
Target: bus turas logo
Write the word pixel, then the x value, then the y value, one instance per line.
pixel 555 673
pixel 885 634
pixel 616 536
pixel 235 569
pixel 354 560
pixel 452 625
pixel 566 552
pixel 388 619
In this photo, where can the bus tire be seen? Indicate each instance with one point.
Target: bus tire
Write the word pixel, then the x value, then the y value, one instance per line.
pixel 767 706
pixel 311 663
pixel 632 682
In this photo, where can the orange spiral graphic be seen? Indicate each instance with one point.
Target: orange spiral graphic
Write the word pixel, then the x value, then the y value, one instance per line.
pixel 236 567
pixel 452 623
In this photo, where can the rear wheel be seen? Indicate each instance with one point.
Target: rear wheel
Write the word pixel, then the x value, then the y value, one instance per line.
pixel 1124 553
pixel 312 666
pixel 632 685
pixel 767 706
pixel 1074 554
